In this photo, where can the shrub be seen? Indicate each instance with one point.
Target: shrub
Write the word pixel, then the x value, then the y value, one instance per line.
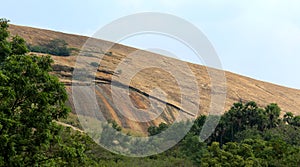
pixel 94 64
pixel 54 47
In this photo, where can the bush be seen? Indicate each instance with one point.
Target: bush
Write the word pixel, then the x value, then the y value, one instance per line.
pixel 94 64
pixel 54 47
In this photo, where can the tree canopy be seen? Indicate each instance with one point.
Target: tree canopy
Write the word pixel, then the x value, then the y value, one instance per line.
pixel 30 100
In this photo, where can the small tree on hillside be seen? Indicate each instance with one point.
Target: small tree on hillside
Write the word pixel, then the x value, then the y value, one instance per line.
pixel 58 47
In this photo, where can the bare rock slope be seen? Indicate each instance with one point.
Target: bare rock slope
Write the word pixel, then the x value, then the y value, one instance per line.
pixel 150 79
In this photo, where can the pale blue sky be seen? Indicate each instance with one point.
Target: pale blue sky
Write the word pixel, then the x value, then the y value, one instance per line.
pixel 259 39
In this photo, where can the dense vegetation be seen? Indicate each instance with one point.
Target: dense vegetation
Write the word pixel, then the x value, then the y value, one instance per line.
pixel 57 47
pixel 32 100
pixel 246 135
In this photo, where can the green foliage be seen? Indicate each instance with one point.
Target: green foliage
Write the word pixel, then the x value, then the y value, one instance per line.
pixel 153 130
pixel 296 121
pixel 18 46
pixel 287 133
pixel 223 157
pixel 94 64
pixel 247 116
pixel 273 113
pixel 290 119
pixel 192 148
pixel 246 135
pixel 114 125
pixel 5 47
pixel 15 47
pixel 197 125
pixel 252 153
pixel 30 99
pixel 54 47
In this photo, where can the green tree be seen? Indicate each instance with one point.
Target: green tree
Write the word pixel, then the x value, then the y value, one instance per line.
pixel 197 125
pixel 192 148
pixel 296 121
pixel 58 47
pixel 288 117
pixel 54 47
pixel 273 113
pixel 219 157
pixel 5 48
pixel 18 45
pixel 30 99
pixel 232 154
pixel 153 130
pixel 287 133
pixel 15 47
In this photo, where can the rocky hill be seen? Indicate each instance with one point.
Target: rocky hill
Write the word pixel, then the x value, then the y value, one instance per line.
pixel 148 86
